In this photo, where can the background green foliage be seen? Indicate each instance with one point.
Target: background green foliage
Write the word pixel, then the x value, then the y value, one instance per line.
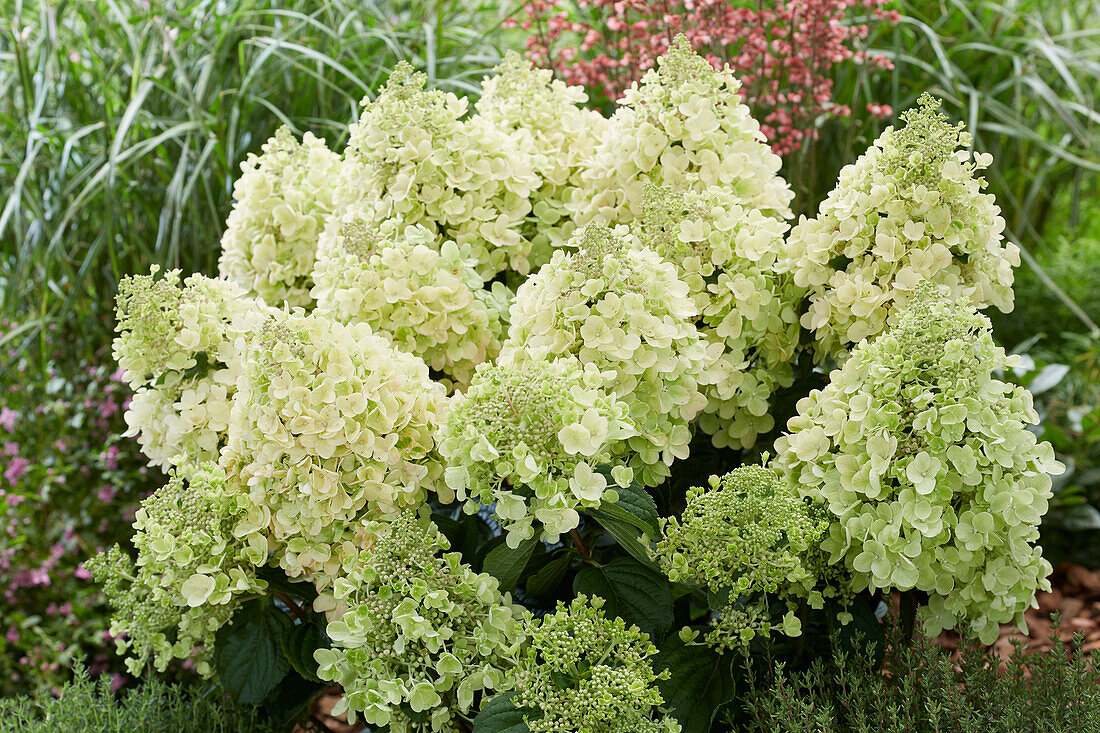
pixel 123 123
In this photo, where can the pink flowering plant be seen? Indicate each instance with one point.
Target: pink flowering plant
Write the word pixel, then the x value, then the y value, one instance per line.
pixel 69 486
pixel 783 52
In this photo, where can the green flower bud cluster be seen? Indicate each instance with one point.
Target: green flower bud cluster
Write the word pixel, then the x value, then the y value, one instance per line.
pixel 925 462
pixel 283 198
pixel 416 631
pixel 684 120
pixel 728 256
pixel 563 137
pixel 175 344
pixel 624 310
pixel 749 536
pixel 331 426
pixel 190 574
pixel 426 299
pixel 581 672
pixel 911 208
pixel 412 157
pixel 527 436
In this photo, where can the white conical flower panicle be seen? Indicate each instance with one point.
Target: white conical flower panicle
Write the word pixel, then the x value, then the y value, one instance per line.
pixel 685 120
pixel 413 157
pixel 624 310
pixel 426 298
pixel 563 135
pixel 176 345
pixel 911 208
pixel 728 254
pixel 331 426
pixel 282 198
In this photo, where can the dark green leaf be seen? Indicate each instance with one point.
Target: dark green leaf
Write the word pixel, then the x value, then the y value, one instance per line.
pixel 548 577
pixel 635 506
pixel 632 591
pixel 627 534
pixel 298 645
pixel 862 637
pixel 506 564
pixel 500 715
pixel 277 581
pixel 290 700
pixel 700 682
pixel 248 654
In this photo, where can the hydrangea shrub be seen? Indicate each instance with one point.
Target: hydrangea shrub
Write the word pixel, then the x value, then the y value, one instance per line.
pixel 445 466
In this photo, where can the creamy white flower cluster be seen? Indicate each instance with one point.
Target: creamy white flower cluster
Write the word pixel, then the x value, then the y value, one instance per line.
pixel 283 198
pixel 419 632
pixel 528 436
pixel 748 536
pixel 176 346
pixel 728 256
pixel 624 310
pixel 331 426
pixel 412 157
pixel 926 464
pixel 425 298
pixel 581 672
pixel 685 124
pixel 911 208
pixel 191 571
pixel 563 138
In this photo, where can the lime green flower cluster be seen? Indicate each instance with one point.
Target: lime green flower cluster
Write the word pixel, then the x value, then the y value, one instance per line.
pixel 727 254
pixel 412 157
pixel 684 119
pixel 282 198
pixel 563 137
pixel 581 672
pixel 417 632
pixel 331 426
pixel 175 344
pixel 191 571
pixel 748 535
pixel 527 436
pixel 925 462
pixel 909 209
pixel 427 299
pixel 624 310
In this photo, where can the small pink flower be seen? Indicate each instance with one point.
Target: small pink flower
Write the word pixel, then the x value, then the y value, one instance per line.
pixel 7 419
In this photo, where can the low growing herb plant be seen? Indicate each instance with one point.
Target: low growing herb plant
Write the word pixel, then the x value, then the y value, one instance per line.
pixel 446 468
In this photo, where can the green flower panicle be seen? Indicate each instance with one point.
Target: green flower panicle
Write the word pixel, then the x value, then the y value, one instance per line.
pixel 528 436
pixel 416 631
pixel 925 463
pixel 749 536
pixel 581 672
pixel 911 208
pixel 624 310
pixel 191 571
